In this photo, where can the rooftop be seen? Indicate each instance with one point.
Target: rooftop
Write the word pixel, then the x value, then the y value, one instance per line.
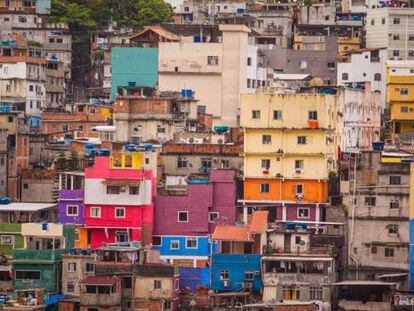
pixel 232 233
pixel 259 222
pixel 100 280
pixel 25 207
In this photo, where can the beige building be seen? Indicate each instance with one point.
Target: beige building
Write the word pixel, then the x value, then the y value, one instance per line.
pixel 75 267
pixel 216 72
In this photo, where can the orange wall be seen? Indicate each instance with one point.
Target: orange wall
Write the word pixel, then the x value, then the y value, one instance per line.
pixel 314 190
pixel 83 238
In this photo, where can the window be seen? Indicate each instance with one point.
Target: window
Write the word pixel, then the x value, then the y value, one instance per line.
pixel 389 252
pixel 225 163
pixel 374 249
pixel 313 115
pixel 77 235
pixel 70 287
pixel 71 266
pixel 167 305
pixel 249 276
pixel 291 292
pixel 31 88
pixel 213 217
pixel 303 212
pixel 266 139
pixel 396 53
pixel 22 19
pixel 396 37
pixel 249 83
pixel 396 21
pixel 331 65
pixel 315 292
pixel 256 114
pixel 395 204
pixel 160 129
pixel 191 242
pixel 344 76
pixel 72 210
pixel 112 189
pixel 266 164
pixel 383 21
pixel 25 186
pixel 298 239
pixel 182 162
pixel 206 163
pixel 120 212
pixel 277 115
pixel 89 267
pixel 370 201
pixel 392 229
pixel 133 190
pixel 8 88
pixel 411 37
pixel 299 164
pixel 299 189
pixel 95 212
pixel 395 180
pixel 174 244
pixel 404 91
pixel 183 216
pixel 224 275
pixel 27 275
pixel 156 240
pixel 6 240
pixel 212 60
pixel 301 140
pixel 10 119
pixel 249 61
pixel 264 188
pixel 377 77
pixel 404 109
pixel 121 236
pixel 157 284
pixel 410 53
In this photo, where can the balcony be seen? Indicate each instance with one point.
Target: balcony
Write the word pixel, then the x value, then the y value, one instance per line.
pixel 35 254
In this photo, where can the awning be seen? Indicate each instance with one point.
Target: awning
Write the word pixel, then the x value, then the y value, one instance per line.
pixel 121 182
pixel 392 275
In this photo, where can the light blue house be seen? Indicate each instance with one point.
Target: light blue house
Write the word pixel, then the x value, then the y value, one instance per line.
pixel 194 250
pixel 132 67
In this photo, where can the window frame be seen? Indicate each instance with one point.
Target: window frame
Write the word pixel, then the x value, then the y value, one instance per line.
pixel 71 206
pixel 224 275
pixel 209 217
pixel 256 114
pixel 191 238
pixel 123 233
pixel 265 186
pixel 116 212
pixel 277 114
pixel 177 242
pixel 71 264
pixel 304 209
pixel 178 216
pixel 97 208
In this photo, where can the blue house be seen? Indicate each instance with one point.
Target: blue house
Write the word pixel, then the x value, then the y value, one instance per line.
pixel 238 264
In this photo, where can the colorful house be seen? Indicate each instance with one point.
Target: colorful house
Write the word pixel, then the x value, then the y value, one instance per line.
pixel 71 210
pixel 186 217
pixel 118 201
pixel 38 263
pixel 290 148
pixel 238 265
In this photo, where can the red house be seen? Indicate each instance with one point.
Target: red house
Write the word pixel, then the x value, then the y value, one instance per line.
pixel 119 201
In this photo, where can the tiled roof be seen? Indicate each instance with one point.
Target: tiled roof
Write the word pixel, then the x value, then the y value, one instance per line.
pixel 99 280
pixel 259 222
pixel 232 233
pixel 162 32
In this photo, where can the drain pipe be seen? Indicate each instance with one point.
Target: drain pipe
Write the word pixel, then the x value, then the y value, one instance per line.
pixel 351 241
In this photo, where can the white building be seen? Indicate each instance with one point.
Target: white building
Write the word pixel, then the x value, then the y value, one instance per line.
pixel 392 28
pixel 367 65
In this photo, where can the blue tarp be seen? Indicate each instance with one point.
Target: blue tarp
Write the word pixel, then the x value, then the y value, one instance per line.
pixel 54 299
pixel 194 277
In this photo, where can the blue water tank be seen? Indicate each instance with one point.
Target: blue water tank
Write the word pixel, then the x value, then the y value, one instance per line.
pixel 378 145
pixel 103 152
pixel 90 147
pixel 189 93
pixel 5 200
pixel 130 147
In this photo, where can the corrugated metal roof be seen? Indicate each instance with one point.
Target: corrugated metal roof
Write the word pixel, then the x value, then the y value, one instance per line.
pixel 290 76
pixel 25 207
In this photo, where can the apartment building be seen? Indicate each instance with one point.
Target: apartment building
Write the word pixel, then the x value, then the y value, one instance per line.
pixel 290 149
pixel 392 28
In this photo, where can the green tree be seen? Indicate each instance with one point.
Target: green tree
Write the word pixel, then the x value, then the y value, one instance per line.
pixel 73 162
pixel 77 16
pixel 151 12
pixel 60 163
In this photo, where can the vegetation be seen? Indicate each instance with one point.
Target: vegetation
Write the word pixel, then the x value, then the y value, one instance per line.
pixel 73 162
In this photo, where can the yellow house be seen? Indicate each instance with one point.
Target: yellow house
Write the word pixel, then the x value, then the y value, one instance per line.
pixel 291 146
pixel 400 99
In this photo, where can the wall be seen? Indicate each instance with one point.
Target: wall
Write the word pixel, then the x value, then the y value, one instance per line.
pixel 49 276
pixel 76 276
pixel 144 287
pixel 130 64
pixel 17 240
pixel 35 190
pixel 71 197
pixel 194 277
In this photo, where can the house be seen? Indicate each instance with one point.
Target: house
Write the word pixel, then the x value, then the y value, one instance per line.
pixel 37 185
pixel 100 293
pixel 119 200
pixel 71 195
pixel 237 266
pixel 38 263
pixel 290 148
pixel 17 212
pixel 187 216
pixel 75 266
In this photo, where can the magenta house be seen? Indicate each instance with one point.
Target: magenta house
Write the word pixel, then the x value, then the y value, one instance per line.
pixel 71 194
pixel 185 219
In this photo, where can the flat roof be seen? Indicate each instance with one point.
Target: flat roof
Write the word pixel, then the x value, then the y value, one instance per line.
pixel 290 76
pixel 364 283
pixel 25 207
pixel 297 258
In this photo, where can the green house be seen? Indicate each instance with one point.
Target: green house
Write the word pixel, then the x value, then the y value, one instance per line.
pixel 10 238
pixel 38 263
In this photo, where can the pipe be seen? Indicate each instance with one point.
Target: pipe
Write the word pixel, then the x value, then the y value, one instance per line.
pixel 351 241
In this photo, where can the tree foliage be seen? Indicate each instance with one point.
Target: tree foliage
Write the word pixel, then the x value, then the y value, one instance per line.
pixel 77 16
pixel 73 162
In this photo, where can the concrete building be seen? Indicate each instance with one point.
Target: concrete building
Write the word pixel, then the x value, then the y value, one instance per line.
pixel 71 196
pixel 101 293
pixel 400 87
pixel 392 28
pixel 362 117
pixel 37 185
pixel 155 118
pixel 365 65
pixel 75 267
pixel 318 63
pixel 3 162
pixel 224 67
pixel 290 149
pixel 376 189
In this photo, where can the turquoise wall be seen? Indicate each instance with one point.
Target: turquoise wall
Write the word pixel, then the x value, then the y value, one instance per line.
pixel 139 65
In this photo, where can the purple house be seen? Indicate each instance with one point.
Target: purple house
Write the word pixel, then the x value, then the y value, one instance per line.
pixel 71 194
pixel 185 219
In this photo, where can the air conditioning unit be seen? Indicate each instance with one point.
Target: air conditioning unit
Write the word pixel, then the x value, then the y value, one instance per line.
pixel 299 196
pixel 298 171
pixel 226 283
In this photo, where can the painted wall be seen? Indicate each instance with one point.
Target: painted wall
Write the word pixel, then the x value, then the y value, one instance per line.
pixel 130 64
pixel 71 197
pixel 237 266
pixel 194 277
pixel 99 236
pixel 13 230
pixel 50 276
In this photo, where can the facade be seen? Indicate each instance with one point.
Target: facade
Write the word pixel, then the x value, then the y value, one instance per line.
pixel 154 118
pixel 362 117
pixel 71 195
pixel 100 293
pixel 186 216
pixel 75 267
pixel 3 162
pixel 37 185
pixel 288 156
pixel 11 238
pixel 400 87
pixel 391 28
pixel 119 200
pixel 378 227
pixel 365 65
pixel 38 263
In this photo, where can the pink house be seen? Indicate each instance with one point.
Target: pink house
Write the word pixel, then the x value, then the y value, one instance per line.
pixel 119 201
